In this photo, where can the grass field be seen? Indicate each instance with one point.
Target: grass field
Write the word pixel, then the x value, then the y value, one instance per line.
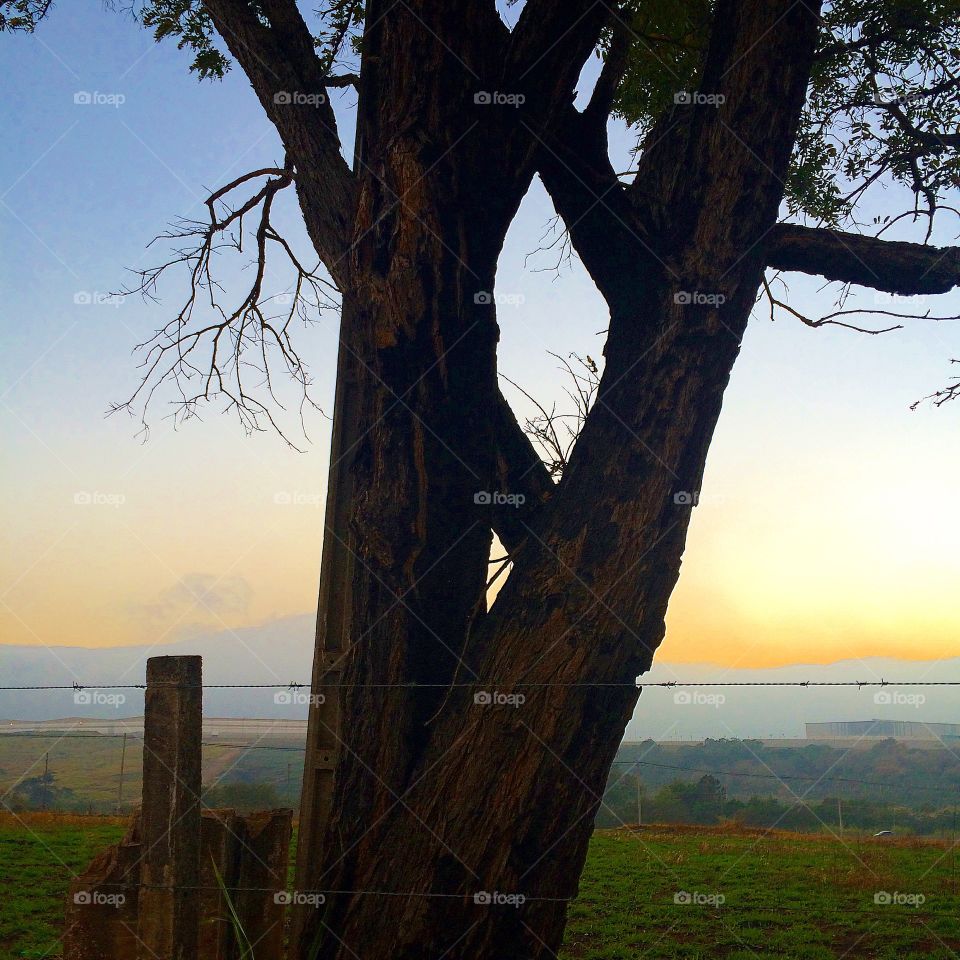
pixel 783 895
pixel 89 766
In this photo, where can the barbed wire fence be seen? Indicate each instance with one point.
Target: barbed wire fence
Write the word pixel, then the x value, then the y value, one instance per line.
pixel 623 765
pixel 90 733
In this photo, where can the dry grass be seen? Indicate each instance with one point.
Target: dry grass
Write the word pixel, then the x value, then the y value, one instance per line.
pixel 38 818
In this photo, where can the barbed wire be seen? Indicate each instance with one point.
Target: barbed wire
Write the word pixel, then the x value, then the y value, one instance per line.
pixel 508 684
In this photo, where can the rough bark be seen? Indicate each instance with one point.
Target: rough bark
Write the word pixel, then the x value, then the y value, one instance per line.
pixel 441 175
pixel 500 799
pixel 519 470
pixel 894 266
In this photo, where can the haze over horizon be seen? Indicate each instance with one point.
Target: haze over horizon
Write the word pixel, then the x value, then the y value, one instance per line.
pixel 280 652
pixel 821 534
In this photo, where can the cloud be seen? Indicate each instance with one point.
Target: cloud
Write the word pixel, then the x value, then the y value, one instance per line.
pixel 197 598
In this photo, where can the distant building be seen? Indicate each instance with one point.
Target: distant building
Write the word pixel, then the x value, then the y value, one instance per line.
pixel 897 729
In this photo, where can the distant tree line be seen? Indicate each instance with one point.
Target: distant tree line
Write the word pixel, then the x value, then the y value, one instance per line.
pixel 917 777
pixel 705 801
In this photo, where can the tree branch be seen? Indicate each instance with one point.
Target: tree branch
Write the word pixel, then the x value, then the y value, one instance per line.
pixel 574 165
pixel 289 80
pixel 938 399
pixel 890 265
pixel 519 470
pixel 210 351
pixel 551 42
pixel 614 67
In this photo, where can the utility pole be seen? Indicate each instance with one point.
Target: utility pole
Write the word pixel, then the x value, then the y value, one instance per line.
pixel 840 815
pixel 333 631
pixel 46 768
pixel 639 802
pixel 955 889
pixel 123 757
pixel 334 603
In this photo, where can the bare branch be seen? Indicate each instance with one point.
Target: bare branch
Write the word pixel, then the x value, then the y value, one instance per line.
pixel 938 399
pixel 555 434
pixel 830 318
pixel 344 80
pixel 230 357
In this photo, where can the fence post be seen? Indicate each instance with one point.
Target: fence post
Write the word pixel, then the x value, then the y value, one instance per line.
pixel 332 634
pixel 168 923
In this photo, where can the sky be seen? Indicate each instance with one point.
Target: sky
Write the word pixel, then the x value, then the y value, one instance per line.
pixel 827 528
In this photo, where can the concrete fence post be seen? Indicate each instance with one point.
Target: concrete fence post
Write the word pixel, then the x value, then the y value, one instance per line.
pixel 168 922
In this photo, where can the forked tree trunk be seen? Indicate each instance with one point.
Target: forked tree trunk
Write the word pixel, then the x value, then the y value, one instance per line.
pixel 460 828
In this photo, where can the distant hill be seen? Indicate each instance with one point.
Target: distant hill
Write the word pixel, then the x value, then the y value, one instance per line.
pixel 281 651
pixel 771 712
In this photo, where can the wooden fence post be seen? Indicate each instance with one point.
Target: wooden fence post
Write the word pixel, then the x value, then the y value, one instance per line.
pixel 169 900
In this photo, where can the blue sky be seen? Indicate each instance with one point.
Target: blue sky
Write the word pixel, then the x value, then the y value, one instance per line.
pixel 828 526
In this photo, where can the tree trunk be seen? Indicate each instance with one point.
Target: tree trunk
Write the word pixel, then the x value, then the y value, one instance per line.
pixel 460 826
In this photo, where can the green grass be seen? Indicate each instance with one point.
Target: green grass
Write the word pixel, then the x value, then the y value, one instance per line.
pixel 38 858
pixel 89 766
pixel 786 896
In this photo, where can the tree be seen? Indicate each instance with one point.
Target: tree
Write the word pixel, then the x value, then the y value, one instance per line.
pixel 753 118
pixel 41 793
